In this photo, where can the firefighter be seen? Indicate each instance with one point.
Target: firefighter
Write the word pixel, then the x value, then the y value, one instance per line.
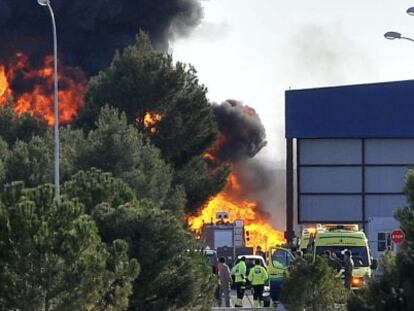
pixel 239 272
pixel 257 277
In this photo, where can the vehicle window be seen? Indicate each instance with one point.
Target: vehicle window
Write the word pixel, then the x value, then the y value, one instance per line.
pixel 281 257
pixel 211 259
pixel 359 253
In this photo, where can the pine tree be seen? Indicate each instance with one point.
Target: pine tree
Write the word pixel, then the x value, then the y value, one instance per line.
pixel 118 148
pixel 142 80
pixel 394 290
pixel 174 275
pixel 311 285
pixel 52 257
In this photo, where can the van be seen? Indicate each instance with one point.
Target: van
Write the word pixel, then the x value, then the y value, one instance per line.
pixel 336 239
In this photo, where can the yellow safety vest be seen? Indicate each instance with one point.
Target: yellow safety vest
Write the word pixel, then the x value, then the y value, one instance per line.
pixel 239 272
pixel 258 275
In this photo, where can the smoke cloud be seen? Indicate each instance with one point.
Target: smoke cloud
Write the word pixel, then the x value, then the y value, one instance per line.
pixel 242 136
pixel 263 182
pixel 243 133
pixel 90 31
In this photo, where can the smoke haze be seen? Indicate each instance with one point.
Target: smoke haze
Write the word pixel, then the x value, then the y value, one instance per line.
pixel 90 31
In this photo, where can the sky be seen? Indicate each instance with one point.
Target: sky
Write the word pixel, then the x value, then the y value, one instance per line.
pixel 255 50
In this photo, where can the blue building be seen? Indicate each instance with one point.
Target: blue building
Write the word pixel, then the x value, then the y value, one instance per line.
pixel 348 149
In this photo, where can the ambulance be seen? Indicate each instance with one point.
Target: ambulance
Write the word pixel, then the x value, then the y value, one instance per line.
pixel 317 241
pixel 337 239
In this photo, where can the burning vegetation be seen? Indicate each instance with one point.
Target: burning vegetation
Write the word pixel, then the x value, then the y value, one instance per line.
pixel 90 32
pixel 241 137
pixel 150 121
pixel 35 88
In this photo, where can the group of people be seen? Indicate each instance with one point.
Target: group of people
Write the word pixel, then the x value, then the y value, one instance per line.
pixel 337 264
pixel 257 277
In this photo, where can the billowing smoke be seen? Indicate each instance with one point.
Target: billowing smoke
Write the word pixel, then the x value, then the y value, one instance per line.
pixel 242 134
pixel 263 181
pixel 90 31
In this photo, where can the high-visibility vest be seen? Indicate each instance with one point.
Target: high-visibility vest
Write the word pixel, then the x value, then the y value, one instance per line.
pixel 239 272
pixel 258 275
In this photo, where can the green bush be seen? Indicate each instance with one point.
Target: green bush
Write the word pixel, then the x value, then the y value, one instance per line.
pixel 312 286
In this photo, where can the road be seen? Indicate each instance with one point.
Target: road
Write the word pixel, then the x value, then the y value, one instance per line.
pixel 248 300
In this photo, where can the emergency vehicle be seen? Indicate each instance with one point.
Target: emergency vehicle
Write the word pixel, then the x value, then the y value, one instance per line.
pixel 336 239
pixel 322 238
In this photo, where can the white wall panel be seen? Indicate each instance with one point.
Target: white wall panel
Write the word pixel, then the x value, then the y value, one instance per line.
pixel 338 208
pixel 330 179
pixel 330 151
pixel 384 179
pixel 389 151
pixel 383 205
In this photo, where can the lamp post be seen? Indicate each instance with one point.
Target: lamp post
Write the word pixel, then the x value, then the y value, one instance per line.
pixel 56 103
pixel 391 35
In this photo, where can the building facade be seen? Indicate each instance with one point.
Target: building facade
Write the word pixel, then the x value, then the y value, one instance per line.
pixel 348 150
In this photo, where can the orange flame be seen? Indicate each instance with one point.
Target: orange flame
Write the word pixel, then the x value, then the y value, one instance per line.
pixel 5 91
pixel 260 231
pixel 150 121
pixel 39 100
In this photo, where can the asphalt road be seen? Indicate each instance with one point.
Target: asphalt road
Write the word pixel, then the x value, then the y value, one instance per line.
pixel 248 300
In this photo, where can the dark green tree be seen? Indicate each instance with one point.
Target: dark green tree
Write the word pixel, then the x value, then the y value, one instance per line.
pixel 142 80
pixel 52 257
pixel 94 187
pixel 4 154
pixel 312 286
pixel 14 127
pixel 395 289
pixel 199 182
pixel 116 147
pixel 33 161
pixel 173 275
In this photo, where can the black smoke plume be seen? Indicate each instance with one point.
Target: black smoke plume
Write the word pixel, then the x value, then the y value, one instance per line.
pixel 90 31
pixel 243 134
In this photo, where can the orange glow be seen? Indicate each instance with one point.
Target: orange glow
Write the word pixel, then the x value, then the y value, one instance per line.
pixel 209 157
pixel 150 121
pixel 261 232
pixel 5 91
pixel 38 100
pixel 357 281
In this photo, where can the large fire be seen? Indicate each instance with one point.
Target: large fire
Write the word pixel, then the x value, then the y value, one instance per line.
pixel 260 231
pixel 34 91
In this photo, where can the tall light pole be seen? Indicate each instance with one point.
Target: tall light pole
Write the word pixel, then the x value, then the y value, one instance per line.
pixel 391 35
pixel 56 103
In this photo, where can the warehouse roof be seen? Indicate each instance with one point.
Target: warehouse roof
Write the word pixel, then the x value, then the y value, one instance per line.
pixel 379 110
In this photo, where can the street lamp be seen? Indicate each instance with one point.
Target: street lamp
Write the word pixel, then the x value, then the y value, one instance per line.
pixel 56 103
pixel 391 35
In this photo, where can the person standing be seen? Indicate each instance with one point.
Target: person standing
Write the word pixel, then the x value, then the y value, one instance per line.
pixel 225 283
pixel 349 268
pixel 257 277
pixel 239 272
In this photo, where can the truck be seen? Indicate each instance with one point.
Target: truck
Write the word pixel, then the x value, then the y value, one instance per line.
pixel 225 237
